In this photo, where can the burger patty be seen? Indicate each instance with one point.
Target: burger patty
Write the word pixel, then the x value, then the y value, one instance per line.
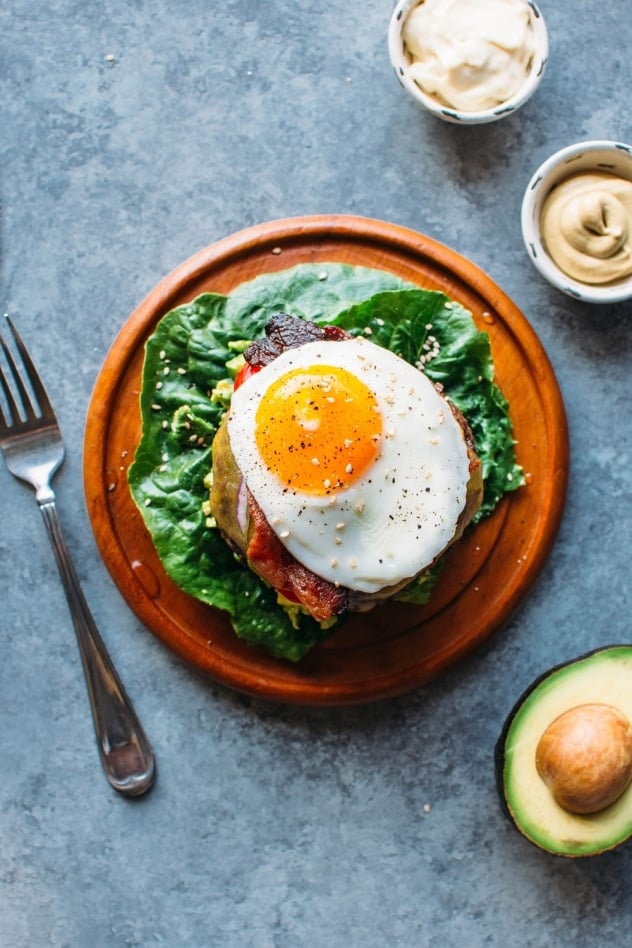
pixel 243 524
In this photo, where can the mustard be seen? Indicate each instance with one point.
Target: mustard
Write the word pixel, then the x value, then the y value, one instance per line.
pixel 586 226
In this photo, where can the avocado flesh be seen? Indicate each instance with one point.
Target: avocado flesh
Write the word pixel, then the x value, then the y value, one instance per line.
pixel 605 677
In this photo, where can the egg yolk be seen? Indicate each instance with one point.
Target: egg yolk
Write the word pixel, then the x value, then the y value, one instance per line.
pixel 318 429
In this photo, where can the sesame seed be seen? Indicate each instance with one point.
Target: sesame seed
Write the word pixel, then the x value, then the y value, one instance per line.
pixel 349 469
pixel 333 562
pixel 276 251
pixel 285 534
pixel 315 462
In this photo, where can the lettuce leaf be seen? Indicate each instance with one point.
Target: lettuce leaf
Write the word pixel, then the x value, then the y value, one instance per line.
pixel 186 360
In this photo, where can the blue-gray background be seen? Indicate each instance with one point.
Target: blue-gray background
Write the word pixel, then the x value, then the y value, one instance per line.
pixel 132 135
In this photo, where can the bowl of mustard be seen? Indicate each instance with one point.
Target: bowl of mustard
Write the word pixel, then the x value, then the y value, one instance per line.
pixel 576 221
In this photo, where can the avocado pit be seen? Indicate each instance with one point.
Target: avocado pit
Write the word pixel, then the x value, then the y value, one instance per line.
pixel 585 757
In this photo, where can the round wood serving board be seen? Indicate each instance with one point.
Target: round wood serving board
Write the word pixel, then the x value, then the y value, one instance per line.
pixel 394 648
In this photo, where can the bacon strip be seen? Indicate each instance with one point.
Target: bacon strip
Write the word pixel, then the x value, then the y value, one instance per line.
pixel 268 557
pixel 287 332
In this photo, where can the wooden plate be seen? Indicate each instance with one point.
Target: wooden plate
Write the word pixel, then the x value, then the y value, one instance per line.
pixel 395 648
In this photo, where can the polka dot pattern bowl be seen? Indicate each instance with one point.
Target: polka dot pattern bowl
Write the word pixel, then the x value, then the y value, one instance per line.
pixel 401 60
pixel 586 157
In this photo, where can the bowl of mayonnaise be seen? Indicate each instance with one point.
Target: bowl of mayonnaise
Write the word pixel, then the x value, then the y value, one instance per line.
pixel 468 61
pixel 577 221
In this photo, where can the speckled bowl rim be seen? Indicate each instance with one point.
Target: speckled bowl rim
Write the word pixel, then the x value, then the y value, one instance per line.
pixel 602 155
pixel 399 61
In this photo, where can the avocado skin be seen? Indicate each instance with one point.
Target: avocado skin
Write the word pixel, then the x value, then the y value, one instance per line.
pixel 500 755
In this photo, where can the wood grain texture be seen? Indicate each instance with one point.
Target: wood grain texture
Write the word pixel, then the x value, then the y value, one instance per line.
pixel 395 648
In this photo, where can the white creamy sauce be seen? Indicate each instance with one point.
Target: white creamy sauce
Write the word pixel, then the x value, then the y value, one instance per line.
pixel 470 54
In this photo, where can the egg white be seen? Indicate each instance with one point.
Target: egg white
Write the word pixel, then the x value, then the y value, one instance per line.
pixel 402 513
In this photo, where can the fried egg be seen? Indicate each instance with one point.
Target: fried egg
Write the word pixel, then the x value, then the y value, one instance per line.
pixel 356 460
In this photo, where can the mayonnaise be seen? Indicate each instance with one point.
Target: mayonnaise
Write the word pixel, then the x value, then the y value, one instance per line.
pixel 586 226
pixel 470 54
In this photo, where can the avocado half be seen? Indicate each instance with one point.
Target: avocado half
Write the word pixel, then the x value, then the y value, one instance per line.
pixel 603 676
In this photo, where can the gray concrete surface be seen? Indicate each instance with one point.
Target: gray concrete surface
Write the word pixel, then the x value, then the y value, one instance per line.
pixel 132 135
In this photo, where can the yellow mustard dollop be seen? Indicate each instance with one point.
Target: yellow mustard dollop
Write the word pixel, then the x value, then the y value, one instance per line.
pixel 470 54
pixel 586 226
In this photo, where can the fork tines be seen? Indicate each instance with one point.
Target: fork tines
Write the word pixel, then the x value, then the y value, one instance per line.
pixel 19 402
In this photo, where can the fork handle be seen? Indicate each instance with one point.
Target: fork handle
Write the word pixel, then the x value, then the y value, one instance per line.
pixel 126 753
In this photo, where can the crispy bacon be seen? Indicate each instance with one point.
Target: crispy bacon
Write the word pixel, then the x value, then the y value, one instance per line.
pixel 268 557
pixel 287 332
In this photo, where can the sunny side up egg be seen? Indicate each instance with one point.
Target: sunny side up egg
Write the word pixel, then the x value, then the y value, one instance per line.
pixel 355 459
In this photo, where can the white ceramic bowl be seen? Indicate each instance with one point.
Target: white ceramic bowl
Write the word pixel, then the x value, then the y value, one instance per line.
pixel 611 156
pixel 400 60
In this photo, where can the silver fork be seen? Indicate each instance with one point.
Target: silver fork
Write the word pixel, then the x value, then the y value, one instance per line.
pixel 32 445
